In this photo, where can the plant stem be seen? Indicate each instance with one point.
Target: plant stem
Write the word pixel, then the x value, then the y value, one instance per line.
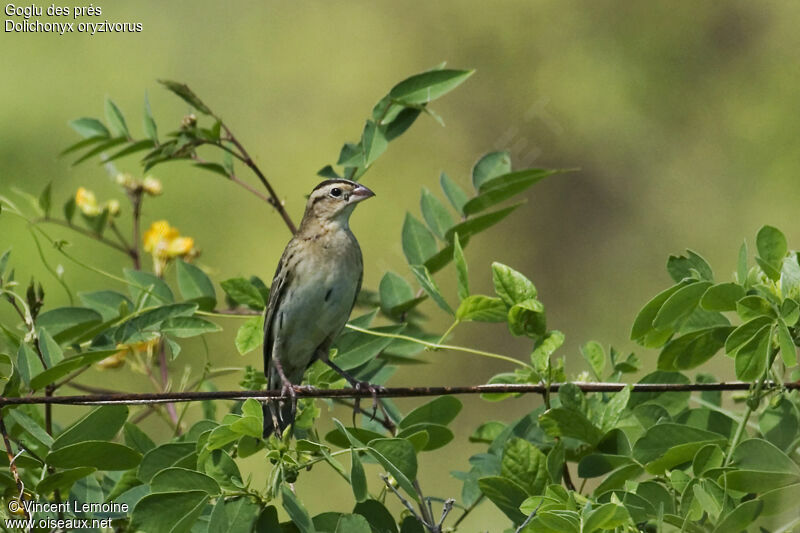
pixel 247 160
pixel 740 430
pixel 437 346
pixel 468 510
pixel 92 235
pixel 136 204
pixel 11 461
pixel 449 331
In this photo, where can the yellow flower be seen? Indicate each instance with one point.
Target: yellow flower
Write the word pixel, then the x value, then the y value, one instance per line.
pixel 165 243
pixel 113 361
pixel 86 202
pixel 151 186
pixel 117 359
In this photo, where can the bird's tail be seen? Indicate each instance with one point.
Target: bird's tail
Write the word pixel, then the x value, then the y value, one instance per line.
pixel 277 415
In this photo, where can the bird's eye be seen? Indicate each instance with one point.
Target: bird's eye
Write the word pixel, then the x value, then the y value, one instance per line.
pixel 336 192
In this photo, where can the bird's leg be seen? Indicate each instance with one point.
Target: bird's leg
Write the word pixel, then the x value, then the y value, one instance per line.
pixel 287 387
pixel 356 384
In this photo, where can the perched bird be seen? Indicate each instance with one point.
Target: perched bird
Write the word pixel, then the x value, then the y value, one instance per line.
pixel 313 291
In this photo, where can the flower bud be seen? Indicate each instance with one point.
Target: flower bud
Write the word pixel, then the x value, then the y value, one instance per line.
pixel 86 202
pixel 152 186
pixel 113 207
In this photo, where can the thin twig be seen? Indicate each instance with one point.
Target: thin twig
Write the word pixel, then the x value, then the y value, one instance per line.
pixel 468 510
pixel 82 231
pixel 389 392
pixel 136 204
pixel 406 503
pixel 245 158
pixel 530 517
pixel 11 463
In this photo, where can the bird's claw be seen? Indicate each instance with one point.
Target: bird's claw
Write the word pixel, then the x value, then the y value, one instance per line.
pixel 373 389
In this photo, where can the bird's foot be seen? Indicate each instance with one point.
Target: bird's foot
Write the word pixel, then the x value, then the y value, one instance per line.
pixel 288 389
pixel 373 390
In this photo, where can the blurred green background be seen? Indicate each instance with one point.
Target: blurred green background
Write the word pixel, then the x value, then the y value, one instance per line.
pixel 681 116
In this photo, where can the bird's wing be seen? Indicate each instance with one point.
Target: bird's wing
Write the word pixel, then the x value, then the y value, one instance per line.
pixel 280 282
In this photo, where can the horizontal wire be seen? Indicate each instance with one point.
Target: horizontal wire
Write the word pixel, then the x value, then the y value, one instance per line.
pixel 382 392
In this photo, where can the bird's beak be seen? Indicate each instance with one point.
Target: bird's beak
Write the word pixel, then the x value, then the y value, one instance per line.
pixel 361 193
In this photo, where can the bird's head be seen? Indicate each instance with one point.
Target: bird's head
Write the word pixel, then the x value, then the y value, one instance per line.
pixel 332 201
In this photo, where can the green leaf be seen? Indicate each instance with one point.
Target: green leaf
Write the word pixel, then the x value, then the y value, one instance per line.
pixel 352 523
pixel 599 464
pixel 182 479
pixel 89 127
pixel 116 119
pixel 356 348
pixel 525 465
pixel 83 143
pixel 740 517
pixel 31 426
pixel 754 306
pixel 461 269
pixel 28 363
pixel 51 351
pixel 143 323
pixel 435 214
pixel 168 512
pixel 62 480
pixel 101 423
pixel 511 286
pixel 430 287
pixel 606 516
pixel 490 166
pixel 296 511
pixel 67 366
pixel 779 424
pixel 45 199
pixel 790 277
pixel 250 335
pixel 751 358
pixel 167 455
pixel 442 410
pixel 455 194
pixel 133 148
pixel 772 246
pixel 474 225
pixel 351 155
pixel 561 422
pixel 775 500
pixel 98 454
pixel 185 93
pixel 103 146
pixel 428 86
pixel 691 267
pixel 328 172
pixel 419 243
pixel 427 437
pixel 643 331
pixel 147 289
pixel 374 142
pixel 744 333
pixel 108 303
pixel 398 452
pixel 693 349
pixel 722 297
pixel 394 291
pixel 758 454
pixel 505 494
pixel 68 323
pixel 504 187
pixel 188 326
pixel 223 469
pixel 667 445
pixel 482 308
pixel 708 457
pixel 487 432
pixel 527 318
pixel 680 305
pixel 358 478
pixel 137 439
pixel 243 292
pixel 377 515
pixel 786 343
pixel 149 122
pixel 195 286
pixel 594 354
